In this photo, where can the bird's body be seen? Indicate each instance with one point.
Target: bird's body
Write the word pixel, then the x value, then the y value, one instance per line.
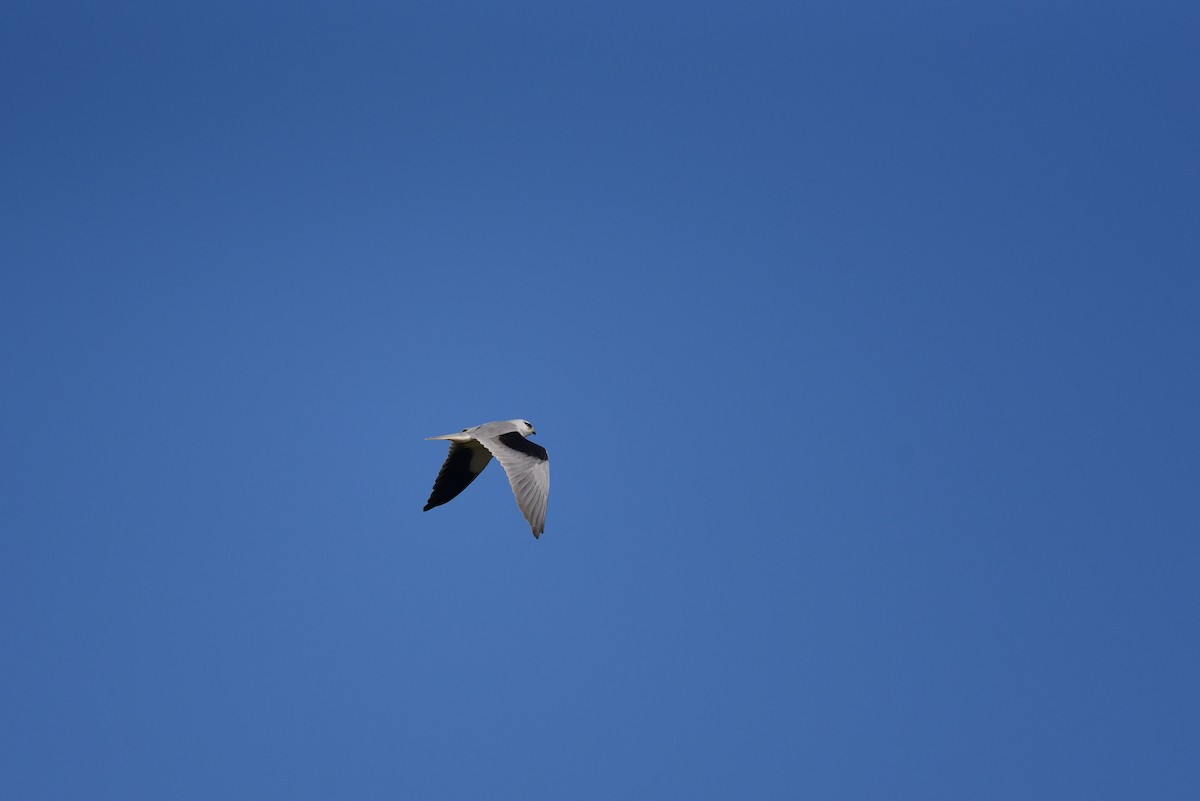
pixel 525 462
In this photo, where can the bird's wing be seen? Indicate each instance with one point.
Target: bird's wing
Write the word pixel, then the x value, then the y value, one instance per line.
pixel 528 469
pixel 465 461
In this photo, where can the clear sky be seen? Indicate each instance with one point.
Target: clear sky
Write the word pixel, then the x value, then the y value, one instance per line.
pixel 863 338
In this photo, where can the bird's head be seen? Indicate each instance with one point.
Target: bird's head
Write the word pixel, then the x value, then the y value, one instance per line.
pixel 524 427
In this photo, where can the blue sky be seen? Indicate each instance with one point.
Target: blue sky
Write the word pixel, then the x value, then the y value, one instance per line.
pixel 863 339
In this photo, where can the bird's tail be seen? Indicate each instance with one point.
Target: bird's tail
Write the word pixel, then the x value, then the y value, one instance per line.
pixel 460 437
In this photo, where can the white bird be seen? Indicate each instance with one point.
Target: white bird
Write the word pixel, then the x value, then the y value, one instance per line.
pixel 525 462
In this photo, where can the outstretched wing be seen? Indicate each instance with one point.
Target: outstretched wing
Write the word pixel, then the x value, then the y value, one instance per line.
pixel 528 469
pixel 465 461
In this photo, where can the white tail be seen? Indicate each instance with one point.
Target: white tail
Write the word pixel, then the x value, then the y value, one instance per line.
pixel 459 437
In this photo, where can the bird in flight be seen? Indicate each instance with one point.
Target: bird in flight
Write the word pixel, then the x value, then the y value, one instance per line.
pixel 525 462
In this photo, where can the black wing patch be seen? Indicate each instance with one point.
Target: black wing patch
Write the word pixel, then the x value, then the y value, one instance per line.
pixel 518 443
pixel 463 464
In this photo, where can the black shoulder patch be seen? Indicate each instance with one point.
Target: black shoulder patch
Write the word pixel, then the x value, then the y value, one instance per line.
pixel 518 443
